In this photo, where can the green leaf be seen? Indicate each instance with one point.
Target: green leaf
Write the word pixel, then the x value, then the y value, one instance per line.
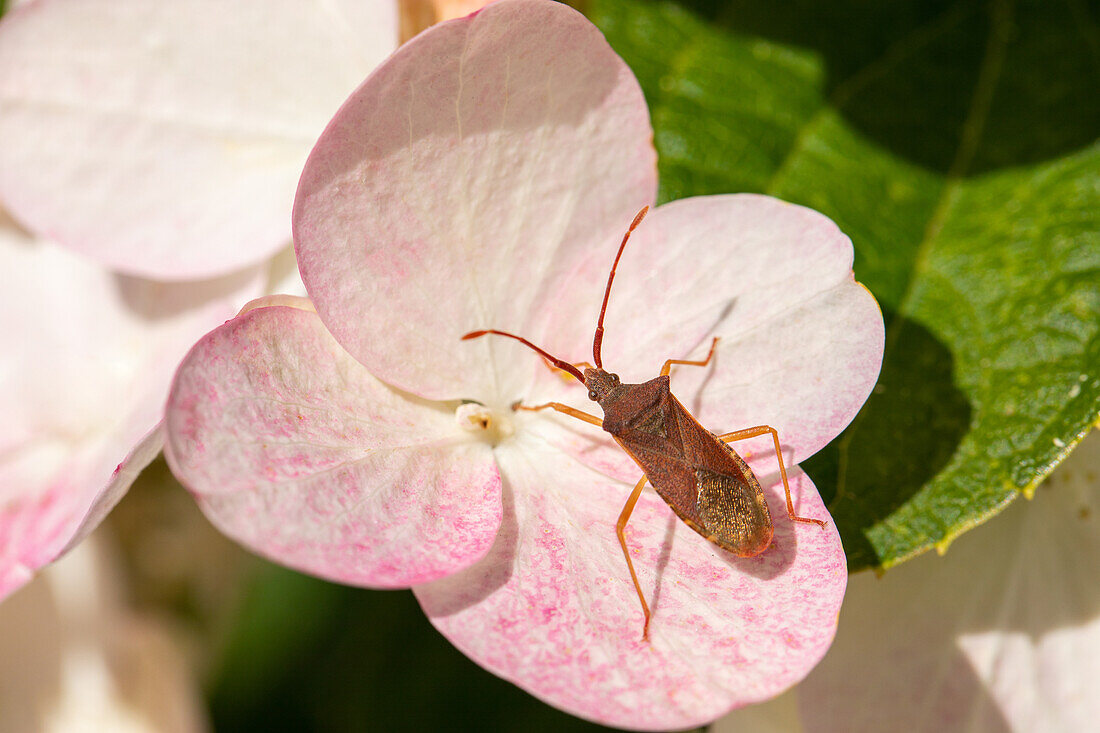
pixel 955 142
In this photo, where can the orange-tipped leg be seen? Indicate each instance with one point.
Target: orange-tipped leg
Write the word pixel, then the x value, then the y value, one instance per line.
pixel 564 409
pixel 760 430
pixel 668 364
pixel 620 528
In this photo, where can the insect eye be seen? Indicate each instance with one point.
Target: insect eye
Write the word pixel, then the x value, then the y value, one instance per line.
pixel 614 378
pixel 592 395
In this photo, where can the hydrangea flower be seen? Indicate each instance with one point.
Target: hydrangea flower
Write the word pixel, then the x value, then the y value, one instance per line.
pixel 162 140
pixel 482 177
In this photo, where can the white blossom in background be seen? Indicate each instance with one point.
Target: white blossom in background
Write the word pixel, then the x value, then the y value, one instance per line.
pixel 74 659
pixel 149 153
pixel 166 139
pixel 82 387
pixel 1001 633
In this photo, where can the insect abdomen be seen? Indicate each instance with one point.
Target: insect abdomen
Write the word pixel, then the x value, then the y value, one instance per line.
pixel 732 514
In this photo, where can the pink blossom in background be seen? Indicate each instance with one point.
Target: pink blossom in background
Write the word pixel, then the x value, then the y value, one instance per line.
pixel 482 177
pixel 1001 633
pixel 163 140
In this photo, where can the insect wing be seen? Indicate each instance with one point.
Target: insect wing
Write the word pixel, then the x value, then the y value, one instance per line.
pixel 703 481
pixel 732 512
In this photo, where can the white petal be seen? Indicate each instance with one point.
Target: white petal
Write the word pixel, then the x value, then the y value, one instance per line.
pixel 296 451
pixel 460 184
pixel 166 138
pixel 1001 633
pixel 74 660
pixel 83 382
pixel 552 607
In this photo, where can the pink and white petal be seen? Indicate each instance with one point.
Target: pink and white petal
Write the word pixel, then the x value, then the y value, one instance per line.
pixel 1002 633
pixel 83 387
pixel 806 373
pixel 124 475
pixel 801 341
pixel 294 450
pixel 165 139
pixel 552 608
pixel 280 299
pixel 415 224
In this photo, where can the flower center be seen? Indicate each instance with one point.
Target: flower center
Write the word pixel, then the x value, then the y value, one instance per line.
pixel 474 417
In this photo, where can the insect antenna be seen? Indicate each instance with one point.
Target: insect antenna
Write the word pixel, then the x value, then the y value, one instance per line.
pixel 560 364
pixel 597 339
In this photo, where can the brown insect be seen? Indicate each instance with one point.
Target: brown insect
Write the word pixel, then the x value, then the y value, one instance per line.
pixel 704 481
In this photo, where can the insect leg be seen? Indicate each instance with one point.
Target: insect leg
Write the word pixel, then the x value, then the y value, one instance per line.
pixel 566 409
pixel 760 430
pixel 668 364
pixel 620 528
